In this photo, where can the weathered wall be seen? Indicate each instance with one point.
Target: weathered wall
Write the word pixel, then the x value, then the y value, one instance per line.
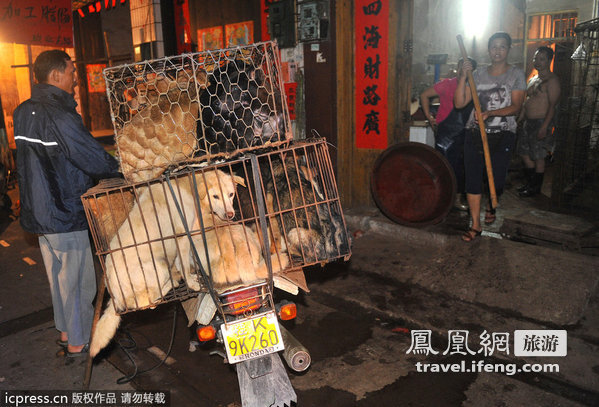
pixel 437 22
pixel 116 23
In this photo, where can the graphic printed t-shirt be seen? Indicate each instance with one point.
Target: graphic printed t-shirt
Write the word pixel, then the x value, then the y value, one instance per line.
pixel 495 92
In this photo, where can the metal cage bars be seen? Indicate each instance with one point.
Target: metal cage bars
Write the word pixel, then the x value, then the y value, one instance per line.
pixel 576 179
pixel 137 224
pixel 197 107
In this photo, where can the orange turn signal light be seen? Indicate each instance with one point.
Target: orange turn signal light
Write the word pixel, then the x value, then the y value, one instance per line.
pixel 288 311
pixel 206 333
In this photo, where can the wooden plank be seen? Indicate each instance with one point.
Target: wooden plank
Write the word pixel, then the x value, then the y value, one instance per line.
pixel 364 163
pixel 400 68
pixel 319 88
pixel 345 99
pixel 99 111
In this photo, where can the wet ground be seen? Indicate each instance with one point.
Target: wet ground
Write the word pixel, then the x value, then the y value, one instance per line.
pixel 357 322
pixel 358 358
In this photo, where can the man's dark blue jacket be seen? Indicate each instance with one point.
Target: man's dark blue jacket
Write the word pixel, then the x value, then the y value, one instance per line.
pixel 57 161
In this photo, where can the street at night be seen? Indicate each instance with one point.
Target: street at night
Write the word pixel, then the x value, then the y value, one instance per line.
pixel 357 321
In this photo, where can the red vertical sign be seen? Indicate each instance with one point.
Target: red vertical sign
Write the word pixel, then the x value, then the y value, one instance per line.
pixel 182 26
pixel 264 19
pixel 291 92
pixel 372 40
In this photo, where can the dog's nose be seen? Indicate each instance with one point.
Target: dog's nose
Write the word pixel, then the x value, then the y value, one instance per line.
pixel 230 215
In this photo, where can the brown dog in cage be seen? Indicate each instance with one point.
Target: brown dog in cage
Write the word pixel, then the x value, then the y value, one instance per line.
pixel 235 256
pixel 147 257
pixel 164 128
pixel 305 225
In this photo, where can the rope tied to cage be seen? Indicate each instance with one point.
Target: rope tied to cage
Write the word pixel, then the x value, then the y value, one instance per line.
pixel 262 216
pixel 206 277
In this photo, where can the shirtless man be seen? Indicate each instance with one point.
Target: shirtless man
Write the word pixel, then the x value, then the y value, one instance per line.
pixel 536 138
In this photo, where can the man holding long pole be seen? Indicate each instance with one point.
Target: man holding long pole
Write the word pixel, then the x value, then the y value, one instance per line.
pixel 500 88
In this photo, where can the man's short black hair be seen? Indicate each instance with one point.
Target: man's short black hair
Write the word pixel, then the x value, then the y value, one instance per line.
pixel 500 34
pixel 547 51
pixel 48 61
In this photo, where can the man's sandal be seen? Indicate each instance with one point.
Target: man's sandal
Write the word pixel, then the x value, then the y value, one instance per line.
pixel 490 216
pixel 471 234
pixel 64 352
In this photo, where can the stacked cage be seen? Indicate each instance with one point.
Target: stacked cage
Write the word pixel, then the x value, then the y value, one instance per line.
pixel 576 176
pixel 216 194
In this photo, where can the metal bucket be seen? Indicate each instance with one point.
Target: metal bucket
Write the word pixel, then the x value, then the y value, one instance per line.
pixel 413 184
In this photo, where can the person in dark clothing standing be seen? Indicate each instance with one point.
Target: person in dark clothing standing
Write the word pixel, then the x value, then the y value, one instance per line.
pixel 501 88
pixel 57 161
pixel 450 127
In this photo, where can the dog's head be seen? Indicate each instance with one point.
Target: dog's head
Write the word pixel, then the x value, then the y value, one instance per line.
pixel 217 192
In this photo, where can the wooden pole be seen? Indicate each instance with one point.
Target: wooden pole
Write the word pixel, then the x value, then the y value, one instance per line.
pixel 89 362
pixel 481 125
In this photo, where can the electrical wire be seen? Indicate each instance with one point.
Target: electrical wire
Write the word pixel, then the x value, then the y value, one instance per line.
pixel 132 345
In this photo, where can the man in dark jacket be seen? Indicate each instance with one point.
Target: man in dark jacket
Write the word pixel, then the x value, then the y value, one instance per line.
pixel 57 161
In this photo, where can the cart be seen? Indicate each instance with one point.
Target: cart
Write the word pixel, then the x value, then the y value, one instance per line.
pixel 217 208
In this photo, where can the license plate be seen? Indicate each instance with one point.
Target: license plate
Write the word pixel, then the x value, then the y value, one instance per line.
pixel 251 338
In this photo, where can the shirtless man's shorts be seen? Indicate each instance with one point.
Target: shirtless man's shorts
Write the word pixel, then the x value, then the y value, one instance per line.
pixel 536 139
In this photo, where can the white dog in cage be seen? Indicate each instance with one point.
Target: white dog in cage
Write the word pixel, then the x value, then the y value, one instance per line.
pixel 146 254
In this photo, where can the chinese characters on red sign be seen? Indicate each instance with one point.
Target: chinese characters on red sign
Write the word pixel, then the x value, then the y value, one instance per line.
pixel 291 92
pixel 372 40
pixel 37 22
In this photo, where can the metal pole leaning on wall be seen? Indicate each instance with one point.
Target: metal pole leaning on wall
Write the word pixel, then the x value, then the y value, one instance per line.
pixel 481 125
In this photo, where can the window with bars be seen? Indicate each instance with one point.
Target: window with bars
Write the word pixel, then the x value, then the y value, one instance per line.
pixel 146 30
pixel 556 26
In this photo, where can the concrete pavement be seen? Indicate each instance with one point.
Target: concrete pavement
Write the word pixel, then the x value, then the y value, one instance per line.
pixel 27 333
pixel 492 284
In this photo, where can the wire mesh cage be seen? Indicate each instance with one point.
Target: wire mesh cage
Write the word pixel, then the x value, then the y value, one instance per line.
pixel 196 106
pixel 217 227
pixel 575 182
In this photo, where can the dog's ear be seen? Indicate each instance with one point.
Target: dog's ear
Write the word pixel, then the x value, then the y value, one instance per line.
pixel 202 192
pixel 239 180
pixel 161 83
pixel 202 187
